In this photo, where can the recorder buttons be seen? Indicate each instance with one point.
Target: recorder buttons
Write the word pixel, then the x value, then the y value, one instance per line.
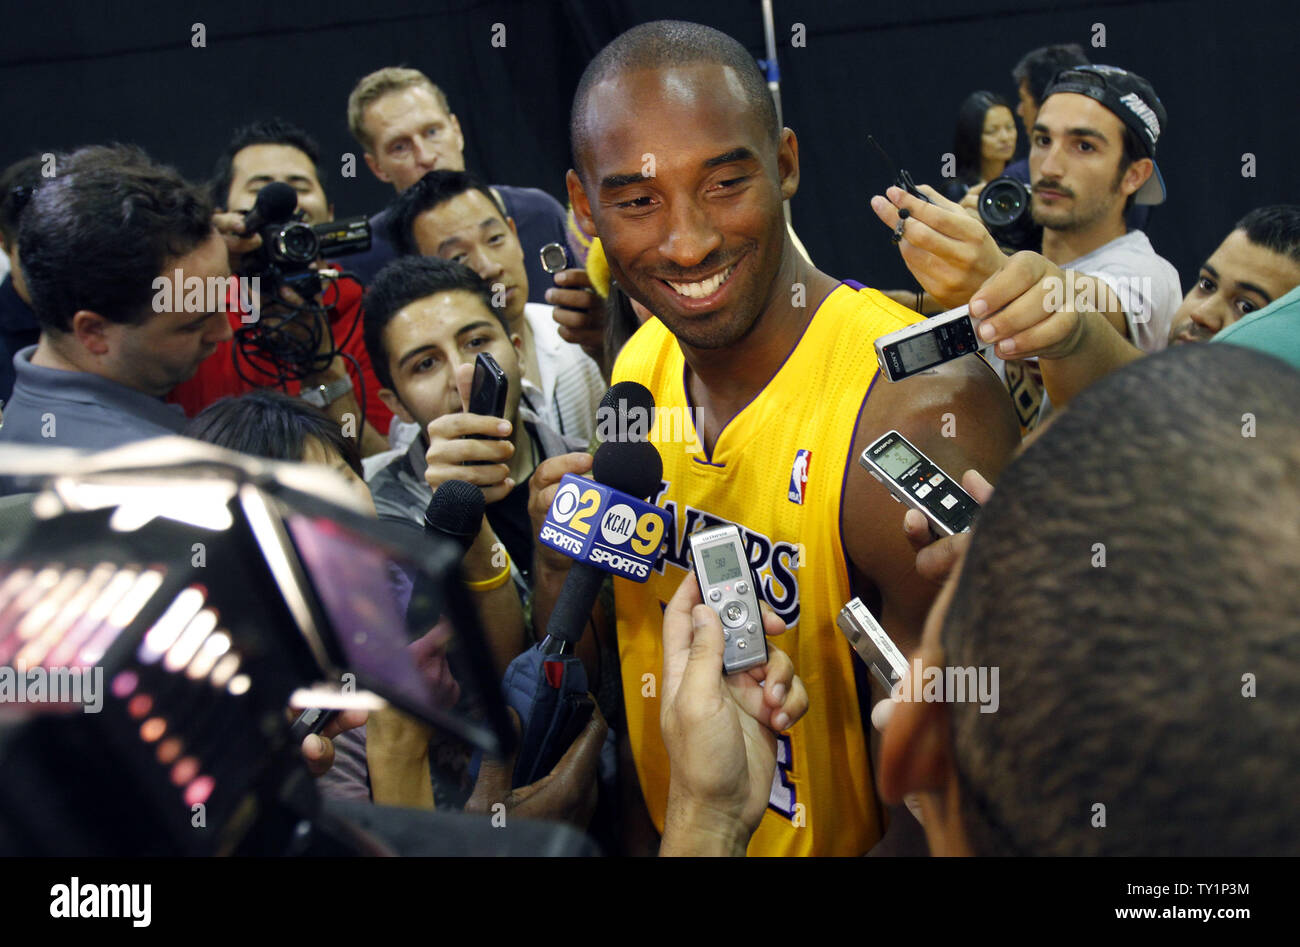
pixel 936 480
pixel 734 615
pixel 742 588
pixel 925 489
pixel 740 643
pixel 948 501
pixel 715 596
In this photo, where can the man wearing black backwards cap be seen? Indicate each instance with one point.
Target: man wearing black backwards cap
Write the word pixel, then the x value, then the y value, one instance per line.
pixel 1092 154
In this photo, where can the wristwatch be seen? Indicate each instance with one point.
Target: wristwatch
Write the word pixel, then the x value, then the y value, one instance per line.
pixel 321 396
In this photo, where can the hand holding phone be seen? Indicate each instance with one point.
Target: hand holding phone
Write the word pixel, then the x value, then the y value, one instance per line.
pixel 487 395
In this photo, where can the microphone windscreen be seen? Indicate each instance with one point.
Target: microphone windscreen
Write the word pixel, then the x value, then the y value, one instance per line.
pixel 275 203
pixel 626 395
pixel 457 510
pixel 633 467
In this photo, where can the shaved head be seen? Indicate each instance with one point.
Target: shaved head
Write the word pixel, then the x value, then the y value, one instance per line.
pixel 663 44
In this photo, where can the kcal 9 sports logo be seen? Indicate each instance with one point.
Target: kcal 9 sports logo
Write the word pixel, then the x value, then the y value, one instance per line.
pixel 596 524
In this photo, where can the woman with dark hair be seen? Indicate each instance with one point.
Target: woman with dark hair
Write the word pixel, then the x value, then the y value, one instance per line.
pixel 983 144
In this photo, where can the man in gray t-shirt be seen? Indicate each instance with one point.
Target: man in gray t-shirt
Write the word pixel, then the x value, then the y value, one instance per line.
pixel 1092 153
pixel 1145 282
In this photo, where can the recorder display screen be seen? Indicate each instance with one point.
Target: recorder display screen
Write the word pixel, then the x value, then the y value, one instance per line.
pixel 919 352
pixel 897 460
pixel 720 563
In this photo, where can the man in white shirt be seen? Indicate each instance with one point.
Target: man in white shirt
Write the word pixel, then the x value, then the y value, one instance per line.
pixel 1092 155
pixel 452 215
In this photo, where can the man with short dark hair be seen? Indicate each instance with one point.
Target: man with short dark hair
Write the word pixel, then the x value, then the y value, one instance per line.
pixel 267 151
pixel 257 155
pixel 19 327
pixel 94 242
pixel 768 364
pixel 453 215
pixel 426 320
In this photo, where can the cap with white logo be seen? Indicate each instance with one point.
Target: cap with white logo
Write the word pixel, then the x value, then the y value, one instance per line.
pixel 1135 103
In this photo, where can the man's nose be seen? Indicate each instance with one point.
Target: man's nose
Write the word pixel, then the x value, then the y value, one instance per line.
pixel 486 265
pixel 1050 165
pixel 1213 313
pixel 691 235
pixel 425 156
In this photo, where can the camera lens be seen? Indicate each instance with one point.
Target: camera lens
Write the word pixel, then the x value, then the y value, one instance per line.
pixel 1002 202
pixel 297 243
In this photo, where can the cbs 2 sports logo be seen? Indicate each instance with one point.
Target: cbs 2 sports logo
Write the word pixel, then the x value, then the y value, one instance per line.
pixel 598 525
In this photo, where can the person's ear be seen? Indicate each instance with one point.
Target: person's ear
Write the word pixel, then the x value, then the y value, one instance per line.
pixel 1137 175
pixel 93 332
pixel 787 164
pixel 578 200
pixel 394 404
pixel 915 755
pixel 373 165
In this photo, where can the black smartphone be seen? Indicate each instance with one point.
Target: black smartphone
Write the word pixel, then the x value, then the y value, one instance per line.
pixel 488 393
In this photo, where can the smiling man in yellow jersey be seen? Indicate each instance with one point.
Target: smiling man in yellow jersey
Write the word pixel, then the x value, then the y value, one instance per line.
pixel 682 170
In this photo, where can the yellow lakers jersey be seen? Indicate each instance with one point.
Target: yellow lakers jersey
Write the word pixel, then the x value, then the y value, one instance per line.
pixel 778 472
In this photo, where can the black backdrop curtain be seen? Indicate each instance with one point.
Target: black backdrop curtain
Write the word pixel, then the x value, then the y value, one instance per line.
pixel 74 74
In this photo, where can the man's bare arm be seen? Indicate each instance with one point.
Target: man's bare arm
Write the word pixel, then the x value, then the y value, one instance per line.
pixel 961 417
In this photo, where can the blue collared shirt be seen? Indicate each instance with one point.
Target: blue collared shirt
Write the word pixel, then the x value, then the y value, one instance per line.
pixel 78 409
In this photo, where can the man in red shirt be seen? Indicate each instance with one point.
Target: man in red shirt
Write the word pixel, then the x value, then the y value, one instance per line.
pixel 257 155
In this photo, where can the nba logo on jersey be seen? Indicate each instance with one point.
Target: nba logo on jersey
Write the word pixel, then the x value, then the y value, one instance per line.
pixel 799 475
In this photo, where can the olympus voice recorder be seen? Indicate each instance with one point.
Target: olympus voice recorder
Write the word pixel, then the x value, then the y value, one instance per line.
pixel 916 480
pixel 727 585
pixel 926 344
pixel 876 649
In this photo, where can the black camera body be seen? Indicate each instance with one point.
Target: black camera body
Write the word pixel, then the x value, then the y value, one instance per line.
pixel 1004 209
pixel 290 247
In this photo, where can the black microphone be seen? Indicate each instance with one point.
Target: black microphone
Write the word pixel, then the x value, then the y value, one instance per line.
pixel 456 512
pixel 631 467
pixel 275 204
pixel 626 412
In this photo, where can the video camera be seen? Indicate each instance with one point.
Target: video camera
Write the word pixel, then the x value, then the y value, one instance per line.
pixel 290 246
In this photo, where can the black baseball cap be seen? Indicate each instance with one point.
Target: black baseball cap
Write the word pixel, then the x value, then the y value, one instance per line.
pixel 1135 103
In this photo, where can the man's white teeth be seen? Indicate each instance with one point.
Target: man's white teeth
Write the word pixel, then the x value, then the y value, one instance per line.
pixel 706 288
